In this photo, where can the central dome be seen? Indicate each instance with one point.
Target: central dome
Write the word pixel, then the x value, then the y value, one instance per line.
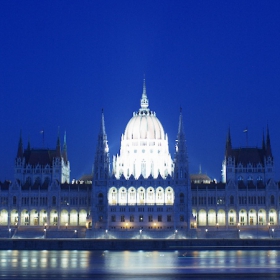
pixel 144 125
pixel 144 146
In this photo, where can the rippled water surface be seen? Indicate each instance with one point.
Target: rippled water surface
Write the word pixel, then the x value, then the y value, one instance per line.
pixel 262 264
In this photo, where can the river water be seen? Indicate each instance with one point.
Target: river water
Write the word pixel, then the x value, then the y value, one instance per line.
pixel 223 264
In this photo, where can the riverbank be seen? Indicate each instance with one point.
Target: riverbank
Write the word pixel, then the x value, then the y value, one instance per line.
pixel 132 244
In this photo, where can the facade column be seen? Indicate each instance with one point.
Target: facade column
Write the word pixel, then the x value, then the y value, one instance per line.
pixel 48 218
pixel 58 218
pixel 9 218
pixel 226 217
pixel 267 217
pixel 18 219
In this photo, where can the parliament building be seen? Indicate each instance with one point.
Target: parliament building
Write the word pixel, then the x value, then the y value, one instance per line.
pixel 143 191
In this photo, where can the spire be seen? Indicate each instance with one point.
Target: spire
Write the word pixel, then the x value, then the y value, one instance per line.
pixel 181 170
pixel 228 144
pixel 263 142
pixel 144 100
pixel 58 149
pixel 268 146
pixel 102 125
pixel 20 147
pixel 64 153
pixel 101 160
pixel 181 126
pixel 28 145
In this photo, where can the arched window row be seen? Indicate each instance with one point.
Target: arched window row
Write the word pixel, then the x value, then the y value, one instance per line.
pixel 243 217
pixel 141 196
pixel 43 217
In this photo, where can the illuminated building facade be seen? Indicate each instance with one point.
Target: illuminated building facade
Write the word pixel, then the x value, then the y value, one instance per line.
pixel 147 189
pixel 248 195
pixel 41 194
pixel 144 192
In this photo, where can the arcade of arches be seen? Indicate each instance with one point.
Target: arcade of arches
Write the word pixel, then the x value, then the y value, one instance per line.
pixel 243 217
pixel 140 196
pixel 43 218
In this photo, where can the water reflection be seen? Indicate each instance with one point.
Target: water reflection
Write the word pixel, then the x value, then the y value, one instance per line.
pixel 139 264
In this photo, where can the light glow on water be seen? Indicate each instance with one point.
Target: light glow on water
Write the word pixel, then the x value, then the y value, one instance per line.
pixel 135 264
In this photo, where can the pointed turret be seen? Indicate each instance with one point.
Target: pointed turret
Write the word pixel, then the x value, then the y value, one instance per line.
pixel 181 126
pixel 28 145
pixel 102 161
pixel 263 142
pixel 268 146
pixel 228 144
pixel 102 130
pixel 181 170
pixel 20 147
pixel 144 100
pixel 64 152
pixel 181 176
pixel 58 148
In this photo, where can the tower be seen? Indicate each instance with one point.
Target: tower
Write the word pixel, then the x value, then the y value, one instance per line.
pixel 228 170
pixel 181 176
pixel 248 165
pixel 41 166
pixel 143 193
pixel 101 171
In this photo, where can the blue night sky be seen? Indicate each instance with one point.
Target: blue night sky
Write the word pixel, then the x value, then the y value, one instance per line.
pixel 61 62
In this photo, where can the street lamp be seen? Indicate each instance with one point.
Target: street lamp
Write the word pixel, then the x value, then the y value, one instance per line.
pixel 217 225
pixel 272 232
